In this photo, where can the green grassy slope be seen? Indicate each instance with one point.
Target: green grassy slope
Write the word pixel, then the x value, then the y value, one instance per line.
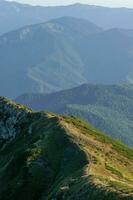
pixel 108 107
pixel 60 157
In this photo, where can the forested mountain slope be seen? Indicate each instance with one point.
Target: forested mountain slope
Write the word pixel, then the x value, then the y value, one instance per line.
pixel 61 54
pixel 43 57
pixel 107 107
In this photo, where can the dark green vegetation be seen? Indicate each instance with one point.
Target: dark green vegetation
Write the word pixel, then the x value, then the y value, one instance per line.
pixel 62 54
pixel 108 108
pixel 45 156
pixel 14 15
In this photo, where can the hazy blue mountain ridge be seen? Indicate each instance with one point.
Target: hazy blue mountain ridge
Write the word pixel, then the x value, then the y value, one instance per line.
pixel 41 56
pixel 15 15
pixel 61 54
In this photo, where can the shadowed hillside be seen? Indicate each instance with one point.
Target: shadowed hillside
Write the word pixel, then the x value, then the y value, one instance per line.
pixel 46 156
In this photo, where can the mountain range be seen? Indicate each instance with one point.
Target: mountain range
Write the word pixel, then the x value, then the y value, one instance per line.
pixel 61 54
pixel 107 107
pixel 69 133
pixel 43 57
pixel 44 156
pixel 15 15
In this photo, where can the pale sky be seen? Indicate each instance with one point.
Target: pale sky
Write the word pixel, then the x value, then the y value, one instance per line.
pixel 111 3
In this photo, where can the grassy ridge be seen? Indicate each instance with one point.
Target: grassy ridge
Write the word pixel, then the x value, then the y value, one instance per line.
pixel 61 157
